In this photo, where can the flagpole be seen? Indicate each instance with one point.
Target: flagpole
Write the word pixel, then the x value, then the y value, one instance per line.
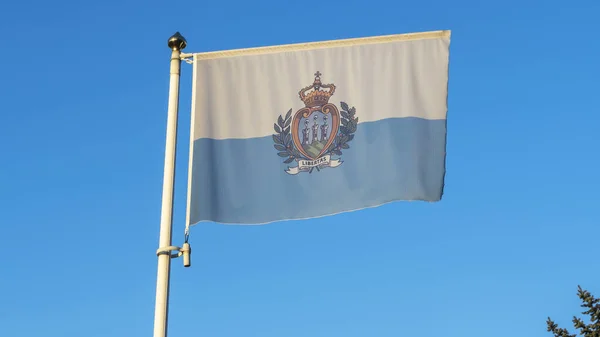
pixel 176 43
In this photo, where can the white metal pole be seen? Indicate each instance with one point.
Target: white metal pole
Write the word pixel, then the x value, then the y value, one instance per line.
pixel 176 43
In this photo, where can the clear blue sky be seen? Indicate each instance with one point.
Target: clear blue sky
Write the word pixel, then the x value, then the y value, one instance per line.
pixel 83 93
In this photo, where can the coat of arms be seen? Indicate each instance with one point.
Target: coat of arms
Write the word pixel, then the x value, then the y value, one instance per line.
pixel 317 132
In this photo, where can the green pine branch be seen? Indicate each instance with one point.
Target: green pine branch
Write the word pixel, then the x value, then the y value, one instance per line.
pixel 591 329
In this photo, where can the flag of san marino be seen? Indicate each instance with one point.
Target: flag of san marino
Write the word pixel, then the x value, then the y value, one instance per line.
pixel 308 130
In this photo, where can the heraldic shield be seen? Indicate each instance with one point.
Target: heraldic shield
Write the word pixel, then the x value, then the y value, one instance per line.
pixel 315 132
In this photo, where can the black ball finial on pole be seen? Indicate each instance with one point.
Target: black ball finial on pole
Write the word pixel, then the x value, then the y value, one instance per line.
pixel 177 42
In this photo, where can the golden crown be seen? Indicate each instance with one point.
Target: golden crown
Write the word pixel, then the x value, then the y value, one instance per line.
pixel 316 97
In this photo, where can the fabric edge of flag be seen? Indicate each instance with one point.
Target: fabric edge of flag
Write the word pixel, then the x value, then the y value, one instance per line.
pixel 443 186
pixel 191 148
pixel 322 44
pixel 380 204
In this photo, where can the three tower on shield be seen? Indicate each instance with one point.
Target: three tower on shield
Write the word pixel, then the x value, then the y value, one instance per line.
pixel 309 130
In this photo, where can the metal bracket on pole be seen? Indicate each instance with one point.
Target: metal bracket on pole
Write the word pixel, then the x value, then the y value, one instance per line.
pixel 184 251
pixel 187 58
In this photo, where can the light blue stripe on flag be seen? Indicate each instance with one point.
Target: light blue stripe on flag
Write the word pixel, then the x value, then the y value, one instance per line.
pixel 243 180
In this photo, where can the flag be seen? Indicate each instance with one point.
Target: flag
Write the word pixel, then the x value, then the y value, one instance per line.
pixel 309 130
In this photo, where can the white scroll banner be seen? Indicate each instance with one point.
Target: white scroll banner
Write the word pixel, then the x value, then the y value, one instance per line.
pixel 306 165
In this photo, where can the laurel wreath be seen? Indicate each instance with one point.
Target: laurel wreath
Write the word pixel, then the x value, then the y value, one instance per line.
pixel 347 129
pixel 283 136
pixel 283 139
